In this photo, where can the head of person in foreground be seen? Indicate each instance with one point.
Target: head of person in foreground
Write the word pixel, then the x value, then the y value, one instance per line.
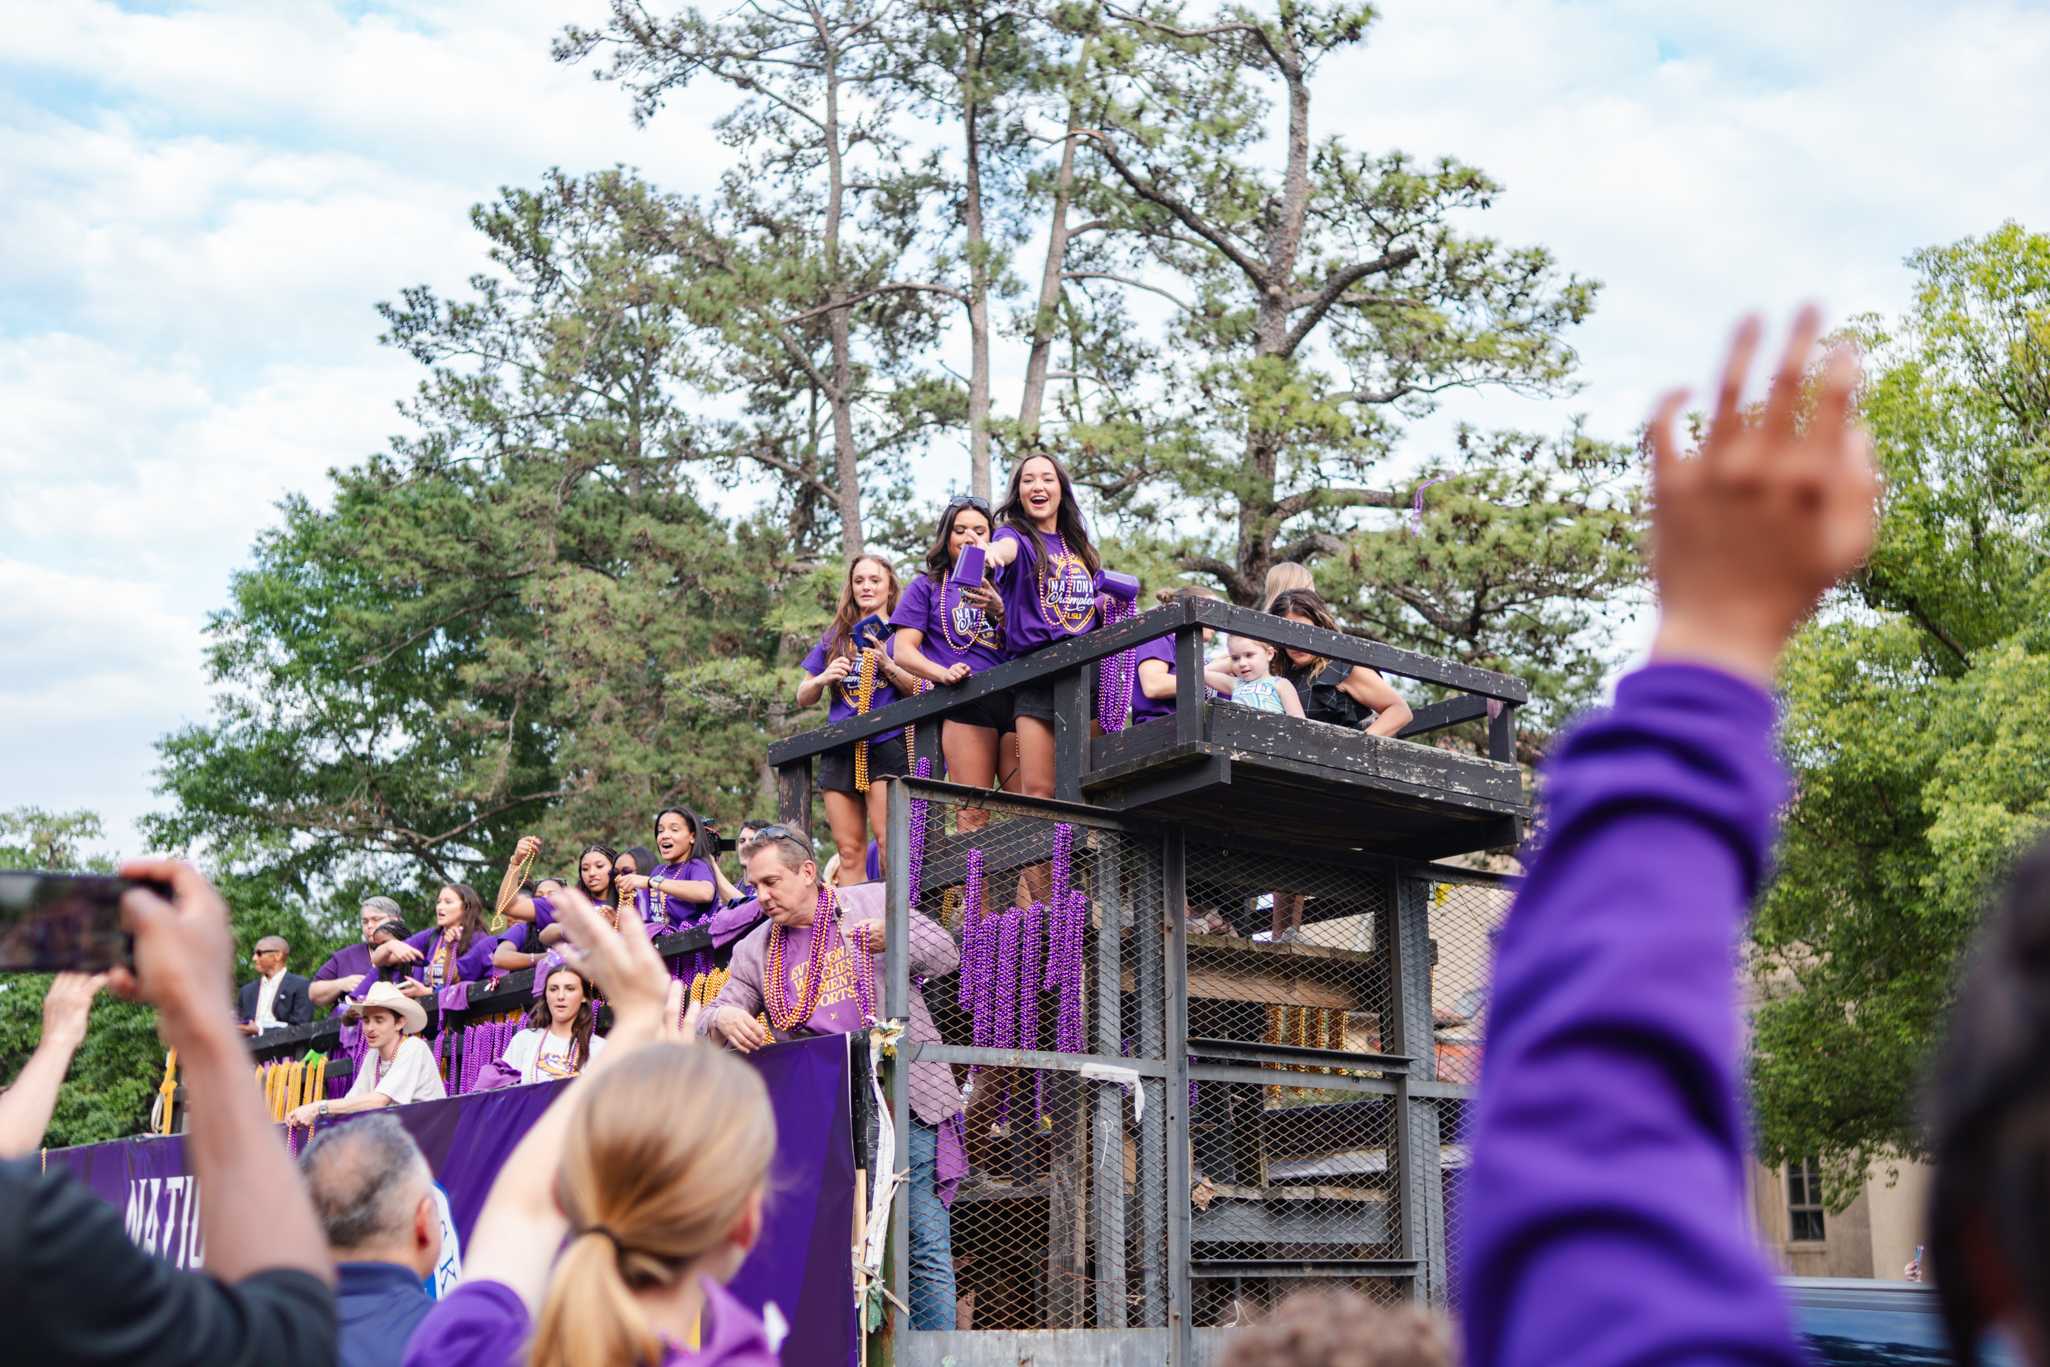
pixel 662 1180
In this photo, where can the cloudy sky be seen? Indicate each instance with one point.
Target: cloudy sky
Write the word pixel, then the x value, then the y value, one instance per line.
pixel 200 203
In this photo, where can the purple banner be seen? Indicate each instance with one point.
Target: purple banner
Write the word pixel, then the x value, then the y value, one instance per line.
pixel 802 1266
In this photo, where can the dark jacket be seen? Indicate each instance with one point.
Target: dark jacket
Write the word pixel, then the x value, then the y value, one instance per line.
pixel 378 1305
pixel 293 1006
pixel 73 1289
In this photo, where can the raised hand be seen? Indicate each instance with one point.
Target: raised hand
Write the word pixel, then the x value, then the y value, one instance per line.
pixel 624 963
pixel 528 848
pixel 183 950
pixel 1749 532
pixel 67 1005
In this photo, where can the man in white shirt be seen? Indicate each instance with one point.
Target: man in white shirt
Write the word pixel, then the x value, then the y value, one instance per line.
pixel 277 998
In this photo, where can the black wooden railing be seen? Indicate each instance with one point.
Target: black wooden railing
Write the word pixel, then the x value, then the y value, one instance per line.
pixel 1484 693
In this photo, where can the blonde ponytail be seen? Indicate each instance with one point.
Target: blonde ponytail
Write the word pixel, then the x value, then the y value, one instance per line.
pixel 665 1152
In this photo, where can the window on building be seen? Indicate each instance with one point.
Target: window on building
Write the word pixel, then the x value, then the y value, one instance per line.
pixel 1804 1202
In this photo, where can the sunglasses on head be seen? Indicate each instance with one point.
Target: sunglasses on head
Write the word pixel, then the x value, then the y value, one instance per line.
pixel 975 501
pixel 779 833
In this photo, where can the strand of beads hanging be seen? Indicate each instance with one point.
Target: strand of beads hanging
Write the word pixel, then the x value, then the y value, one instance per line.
pixel 825 927
pixel 1067 595
pixel 917 837
pixel 864 698
pixel 1073 926
pixel 1031 976
pixel 971 914
pixel 864 970
pixel 1115 673
pixel 1057 898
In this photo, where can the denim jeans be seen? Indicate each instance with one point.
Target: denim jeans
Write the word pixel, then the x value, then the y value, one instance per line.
pixel 932 1240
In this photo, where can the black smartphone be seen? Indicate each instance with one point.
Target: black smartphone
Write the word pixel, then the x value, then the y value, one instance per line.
pixel 64 922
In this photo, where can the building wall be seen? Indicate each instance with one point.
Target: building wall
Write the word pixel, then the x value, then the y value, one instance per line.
pixel 1876 1237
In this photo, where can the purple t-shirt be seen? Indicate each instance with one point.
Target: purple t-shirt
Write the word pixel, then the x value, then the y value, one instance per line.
pixel 345 962
pixel 1604 1203
pixel 674 911
pixel 842 697
pixel 485 1324
pixel 473 964
pixel 951 632
pixel 1069 604
pixel 1144 708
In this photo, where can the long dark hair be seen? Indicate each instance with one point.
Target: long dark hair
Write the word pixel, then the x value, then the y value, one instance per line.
pixel 473 918
pixel 580 1025
pixel 1987 1105
pixel 1305 603
pixel 939 561
pixel 703 845
pixel 609 897
pixel 1067 519
pixel 840 636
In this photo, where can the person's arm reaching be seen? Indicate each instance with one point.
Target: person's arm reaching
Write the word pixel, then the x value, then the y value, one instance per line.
pixel 1605 1203
pixel 521 1225
pixel 256 1214
pixel 25 1107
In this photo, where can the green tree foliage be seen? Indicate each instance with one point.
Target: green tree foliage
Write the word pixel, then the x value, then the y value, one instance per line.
pixel 116 1069
pixel 1914 713
pixel 521 617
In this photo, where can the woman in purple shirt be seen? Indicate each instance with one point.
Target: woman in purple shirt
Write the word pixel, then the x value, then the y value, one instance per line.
pixel 455 949
pixel 611 1230
pixel 1050 576
pixel 1605 1204
pixel 686 887
pixel 947 631
pixel 855 809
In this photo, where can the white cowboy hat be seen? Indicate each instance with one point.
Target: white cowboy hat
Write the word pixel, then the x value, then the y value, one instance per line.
pixel 383 996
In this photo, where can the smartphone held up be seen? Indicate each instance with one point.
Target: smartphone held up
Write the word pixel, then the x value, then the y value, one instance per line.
pixel 64 922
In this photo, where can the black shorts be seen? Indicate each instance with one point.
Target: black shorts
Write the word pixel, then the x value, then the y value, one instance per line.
pixel 993 712
pixel 886 759
pixel 1034 700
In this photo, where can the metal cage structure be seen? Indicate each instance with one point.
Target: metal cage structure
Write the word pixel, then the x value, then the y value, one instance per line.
pixel 1219 1014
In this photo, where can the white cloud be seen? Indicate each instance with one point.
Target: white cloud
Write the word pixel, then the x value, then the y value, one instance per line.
pixel 200 206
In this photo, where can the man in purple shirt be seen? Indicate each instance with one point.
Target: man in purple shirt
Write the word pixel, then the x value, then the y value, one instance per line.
pixel 1605 1205
pixel 349 967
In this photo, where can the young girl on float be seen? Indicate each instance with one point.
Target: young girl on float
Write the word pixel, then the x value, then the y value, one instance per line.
pixel 612 1229
pixel 859 682
pixel 1050 575
pixel 557 1041
pixel 455 949
pixel 1252 683
pixel 1352 696
pixel 686 886
pixel 949 628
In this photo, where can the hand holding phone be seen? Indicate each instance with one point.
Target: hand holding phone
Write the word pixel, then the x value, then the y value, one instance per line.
pixel 183 950
pixel 61 922
pixel 871 630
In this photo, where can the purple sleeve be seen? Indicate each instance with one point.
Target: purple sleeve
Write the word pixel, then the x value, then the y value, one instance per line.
pixel 914 607
pixel 476 962
pixel 814 662
pixel 424 940
pixel 1606 1205
pixel 479 1324
pixel 544 914
pixel 330 970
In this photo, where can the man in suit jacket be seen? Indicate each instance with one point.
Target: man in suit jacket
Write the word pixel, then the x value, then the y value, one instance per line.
pixel 276 998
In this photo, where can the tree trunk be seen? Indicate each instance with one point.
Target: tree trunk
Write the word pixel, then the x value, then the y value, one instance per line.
pixel 846 463
pixel 1038 359
pixel 978 269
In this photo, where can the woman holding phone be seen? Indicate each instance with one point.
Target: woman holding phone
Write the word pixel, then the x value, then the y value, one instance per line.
pixel 1050 577
pixel 835 667
pixel 949 625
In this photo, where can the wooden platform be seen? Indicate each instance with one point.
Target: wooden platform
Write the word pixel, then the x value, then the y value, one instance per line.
pixel 1310 781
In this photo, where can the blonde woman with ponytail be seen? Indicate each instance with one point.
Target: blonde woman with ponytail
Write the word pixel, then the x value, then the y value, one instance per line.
pixel 647 1175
